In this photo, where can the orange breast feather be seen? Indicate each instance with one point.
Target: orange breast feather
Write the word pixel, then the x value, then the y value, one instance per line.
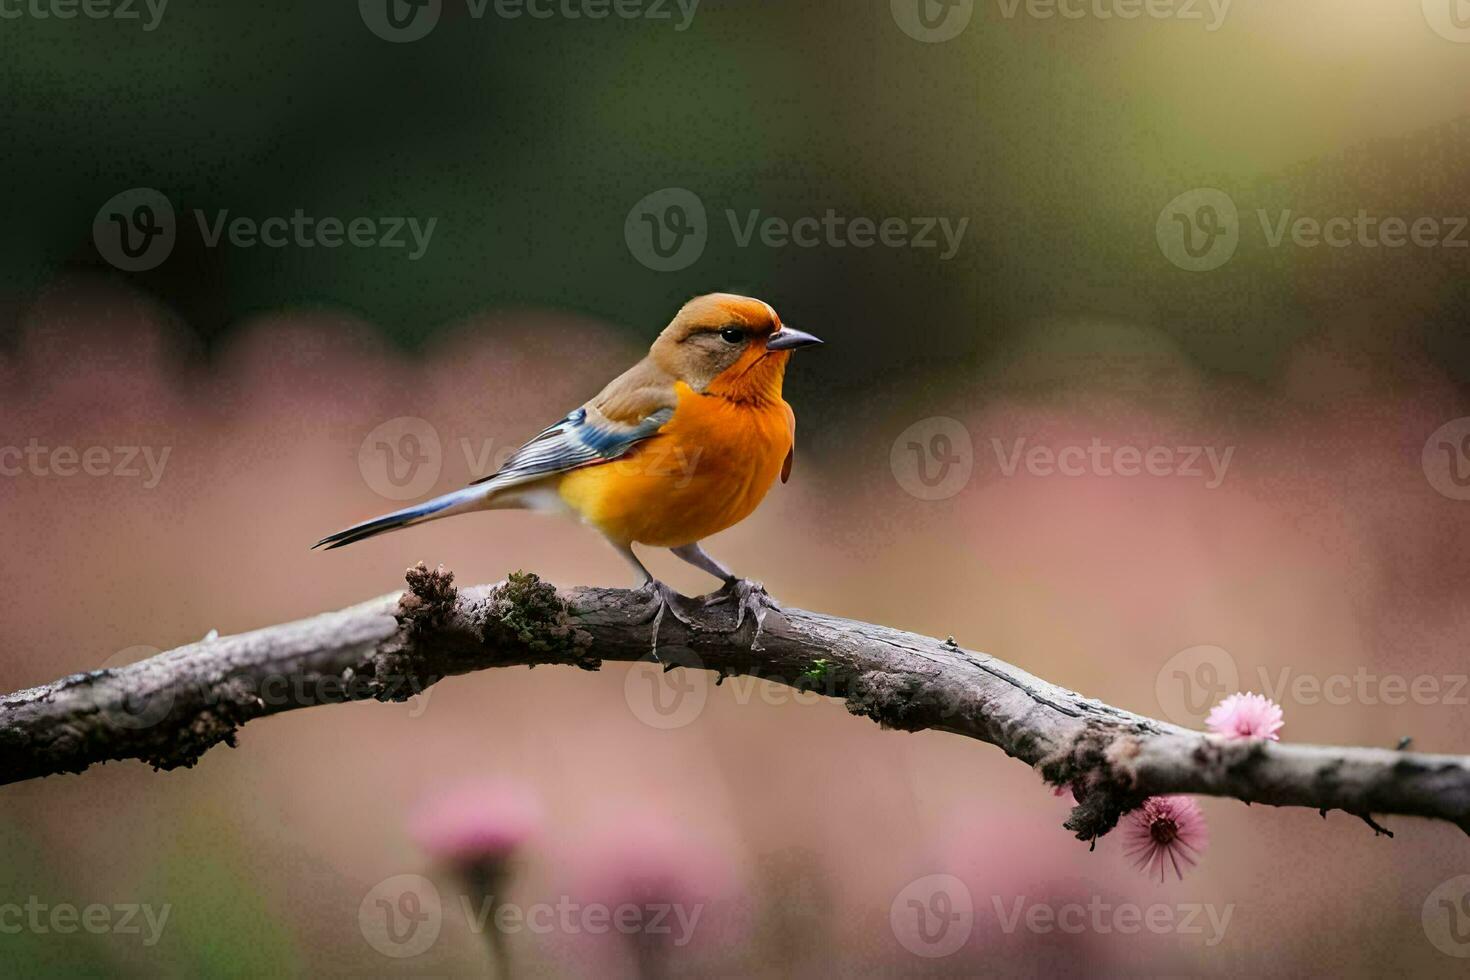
pixel 707 469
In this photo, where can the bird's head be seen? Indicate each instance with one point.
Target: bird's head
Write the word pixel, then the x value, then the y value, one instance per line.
pixel 728 345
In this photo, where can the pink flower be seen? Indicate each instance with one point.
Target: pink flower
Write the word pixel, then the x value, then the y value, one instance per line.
pixel 1245 716
pixel 1166 832
pixel 474 822
pixel 647 855
pixel 680 896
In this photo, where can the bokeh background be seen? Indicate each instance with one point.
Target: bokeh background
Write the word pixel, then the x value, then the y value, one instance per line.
pixel 273 389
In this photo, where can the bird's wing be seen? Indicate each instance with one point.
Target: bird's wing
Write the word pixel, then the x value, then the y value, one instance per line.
pixel 631 409
pixel 790 453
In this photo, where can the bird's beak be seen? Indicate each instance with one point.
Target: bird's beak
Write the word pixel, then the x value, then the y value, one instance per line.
pixel 789 339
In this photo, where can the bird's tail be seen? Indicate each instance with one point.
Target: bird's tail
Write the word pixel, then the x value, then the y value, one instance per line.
pixel 458 502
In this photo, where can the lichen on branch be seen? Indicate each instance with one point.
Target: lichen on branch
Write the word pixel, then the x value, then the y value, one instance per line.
pixel 171 709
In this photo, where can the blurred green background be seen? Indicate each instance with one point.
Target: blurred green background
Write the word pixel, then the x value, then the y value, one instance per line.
pixel 529 140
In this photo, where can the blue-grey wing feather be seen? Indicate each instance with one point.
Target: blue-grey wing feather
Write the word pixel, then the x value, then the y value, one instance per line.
pixel 579 439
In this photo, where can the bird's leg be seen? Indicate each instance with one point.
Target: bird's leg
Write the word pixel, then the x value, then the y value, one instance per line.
pixel 702 560
pixel 666 597
pixel 749 596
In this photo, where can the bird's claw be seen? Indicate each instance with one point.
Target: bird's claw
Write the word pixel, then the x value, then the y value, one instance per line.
pixel 664 599
pixel 749 597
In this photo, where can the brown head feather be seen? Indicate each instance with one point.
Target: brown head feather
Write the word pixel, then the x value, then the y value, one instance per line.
pixel 715 344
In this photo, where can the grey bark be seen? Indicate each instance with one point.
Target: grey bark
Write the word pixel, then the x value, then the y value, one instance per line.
pixel 168 710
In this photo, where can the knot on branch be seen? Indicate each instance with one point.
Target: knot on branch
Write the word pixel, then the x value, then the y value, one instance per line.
pixel 1097 766
pixel 898 701
pixel 429 602
pixel 225 708
pixel 1236 757
pixel 202 732
pixel 527 612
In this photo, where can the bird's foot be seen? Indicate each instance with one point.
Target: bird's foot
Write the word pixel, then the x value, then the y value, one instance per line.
pixel 749 598
pixel 663 599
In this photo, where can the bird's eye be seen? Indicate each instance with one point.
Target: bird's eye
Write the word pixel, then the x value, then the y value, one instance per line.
pixel 732 335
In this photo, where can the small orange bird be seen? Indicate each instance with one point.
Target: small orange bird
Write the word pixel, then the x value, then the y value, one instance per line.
pixel 682 445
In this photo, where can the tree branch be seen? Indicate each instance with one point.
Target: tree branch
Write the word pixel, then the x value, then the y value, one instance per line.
pixel 168 710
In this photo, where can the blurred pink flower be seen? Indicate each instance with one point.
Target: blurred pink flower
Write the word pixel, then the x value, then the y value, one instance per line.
pixel 645 856
pixel 682 894
pixel 477 821
pixel 1245 716
pixel 1166 832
